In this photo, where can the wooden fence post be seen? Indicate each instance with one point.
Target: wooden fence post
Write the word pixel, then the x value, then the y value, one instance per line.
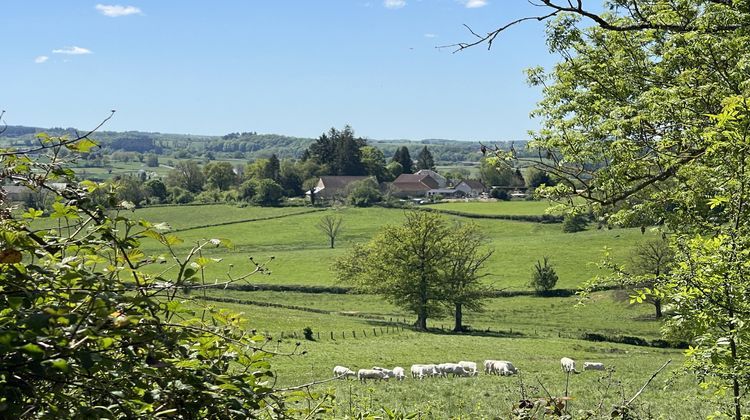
pixel 354 334
pixel 331 335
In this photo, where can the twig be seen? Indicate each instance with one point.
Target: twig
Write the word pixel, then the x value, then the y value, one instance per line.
pixel 648 382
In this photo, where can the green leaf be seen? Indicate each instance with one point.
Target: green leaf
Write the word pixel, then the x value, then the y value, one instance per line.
pixel 33 350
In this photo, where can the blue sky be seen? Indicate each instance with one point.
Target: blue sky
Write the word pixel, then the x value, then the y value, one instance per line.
pixel 293 67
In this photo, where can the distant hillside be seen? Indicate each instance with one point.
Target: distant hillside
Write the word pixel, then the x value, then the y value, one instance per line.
pixel 246 145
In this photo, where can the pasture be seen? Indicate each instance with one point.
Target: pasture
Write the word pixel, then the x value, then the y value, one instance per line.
pixel 303 257
pixel 361 331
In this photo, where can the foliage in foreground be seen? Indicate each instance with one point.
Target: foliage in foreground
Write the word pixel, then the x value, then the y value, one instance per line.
pixel 87 330
pixel 647 119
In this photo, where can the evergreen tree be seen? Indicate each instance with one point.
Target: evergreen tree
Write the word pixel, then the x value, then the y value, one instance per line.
pixel 403 157
pixel 425 160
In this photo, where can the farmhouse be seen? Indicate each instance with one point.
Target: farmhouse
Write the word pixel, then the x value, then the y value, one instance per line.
pixel 441 180
pixel 331 187
pixel 414 185
pixel 471 187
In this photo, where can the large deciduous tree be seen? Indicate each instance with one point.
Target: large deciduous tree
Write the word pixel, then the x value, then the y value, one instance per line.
pixel 419 265
pixel 188 175
pixel 646 117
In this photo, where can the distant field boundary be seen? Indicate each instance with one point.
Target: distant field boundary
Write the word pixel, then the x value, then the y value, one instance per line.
pixel 545 218
pixel 342 290
pixel 257 219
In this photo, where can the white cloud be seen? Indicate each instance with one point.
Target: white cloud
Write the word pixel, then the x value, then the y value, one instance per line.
pixel 41 59
pixel 430 35
pixel 115 10
pixel 72 51
pixel 394 4
pixel 473 4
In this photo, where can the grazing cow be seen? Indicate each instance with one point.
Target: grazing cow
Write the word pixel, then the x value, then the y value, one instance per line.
pixel 503 368
pixel 455 369
pixel 398 373
pixel 343 372
pixel 568 365
pixel 420 371
pixel 388 372
pixel 470 366
pixel 593 366
pixel 364 374
pixel 488 366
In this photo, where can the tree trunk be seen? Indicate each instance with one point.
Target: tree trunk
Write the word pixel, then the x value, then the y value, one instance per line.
pixel 332 240
pixel 421 323
pixel 459 318
pixel 657 305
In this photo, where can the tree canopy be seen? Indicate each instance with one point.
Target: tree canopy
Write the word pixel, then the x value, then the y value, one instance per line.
pixel 423 265
pixel 339 151
pixel 646 117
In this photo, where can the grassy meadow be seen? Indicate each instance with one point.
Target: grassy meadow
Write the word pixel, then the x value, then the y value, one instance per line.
pixel 302 255
pixel 533 332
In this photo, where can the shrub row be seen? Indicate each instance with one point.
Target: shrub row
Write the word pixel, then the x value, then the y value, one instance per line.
pixel 634 341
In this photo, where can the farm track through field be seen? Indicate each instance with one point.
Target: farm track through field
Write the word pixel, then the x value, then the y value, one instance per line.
pixel 257 219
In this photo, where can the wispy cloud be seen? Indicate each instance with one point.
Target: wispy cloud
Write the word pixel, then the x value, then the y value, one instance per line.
pixel 115 10
pixel 72 51
pixel 394 4
pixel 474 4
pixel 430 35
pixel 41 59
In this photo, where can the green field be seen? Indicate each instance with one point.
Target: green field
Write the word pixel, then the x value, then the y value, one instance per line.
pixel 533 332
pixel 507 208
pixel 302 255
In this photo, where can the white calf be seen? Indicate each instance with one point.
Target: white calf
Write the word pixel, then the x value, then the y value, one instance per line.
pixel 398 373
pixel 470 366
pixel 593 366
pixel 388 372
pixel 568 365
pixel 343 372
pixel 365 374
pixel 503 368
pixel 488 366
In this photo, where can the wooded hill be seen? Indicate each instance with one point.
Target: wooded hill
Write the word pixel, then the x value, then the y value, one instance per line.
pixel 246 145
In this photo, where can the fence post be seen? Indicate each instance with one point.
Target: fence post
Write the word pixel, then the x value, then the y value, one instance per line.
pixel 354 334
pixel 318 335
pixel 331 335
pixel 364 333
pixel 374 333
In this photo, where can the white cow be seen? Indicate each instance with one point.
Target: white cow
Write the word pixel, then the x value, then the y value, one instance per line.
pixel 568 365
pixel 388 372
pixel 470 366
pixel 343 372
pixel 420 371
pixel 454 369
pixel 398 373
pixel 593 366
pixel 364 374
pixel 503 368
pixel 488 366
